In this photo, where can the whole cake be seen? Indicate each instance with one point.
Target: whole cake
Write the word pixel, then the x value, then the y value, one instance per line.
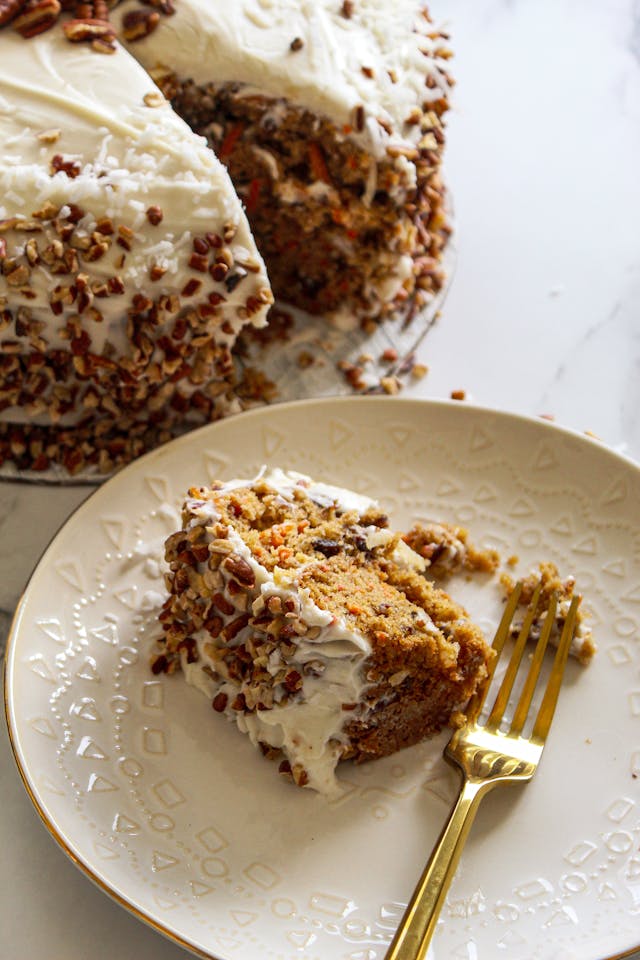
pixel 127 267
pixel 308 622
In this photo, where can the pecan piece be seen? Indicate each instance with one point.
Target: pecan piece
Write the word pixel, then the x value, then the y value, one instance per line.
pixel 38 18
pixel 232 629
pixel 159 664
pixel 154 215
pixel 300 775
pixel 9 9
pixel 219 702
pixel 77 31
pixel 239 703
pixel 138 24
pixel 240 569
pixel 220 602
pixel 293 681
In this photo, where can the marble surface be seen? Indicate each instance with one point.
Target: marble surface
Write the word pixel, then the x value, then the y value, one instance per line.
pixel 542 318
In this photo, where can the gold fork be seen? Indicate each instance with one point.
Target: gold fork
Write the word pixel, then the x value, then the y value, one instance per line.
pixel 487 757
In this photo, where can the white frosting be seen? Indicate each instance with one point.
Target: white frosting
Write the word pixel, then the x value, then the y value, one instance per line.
pixel 249 42
pixel 131 156
pixel 308 729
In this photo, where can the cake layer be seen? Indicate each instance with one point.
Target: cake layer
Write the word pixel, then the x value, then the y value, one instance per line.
pixel 127 264
pixel 308 622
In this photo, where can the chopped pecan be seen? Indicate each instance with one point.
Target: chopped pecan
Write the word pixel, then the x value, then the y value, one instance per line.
pixel 232 629
pixel 9 9
pixel 239 703
pixel 300 775
pixel 79 31
pixel 219 702
pixel 137 24
pixel 159 664
pixel 70 167
pixel 293 681
pixel 154 215
pixel 49 136
pixel 221 603
pixel 241 569
pixel 154 99
pixel 37 18
pixel 103 45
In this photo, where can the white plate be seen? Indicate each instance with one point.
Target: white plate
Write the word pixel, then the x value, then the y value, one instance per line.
pixel 171 811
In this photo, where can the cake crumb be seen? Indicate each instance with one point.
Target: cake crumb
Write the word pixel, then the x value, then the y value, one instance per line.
pixel 458 394
pixel 419 370
pixel 49 136
pixel 583 647
pixel 390 385
pixel 447 549
pixel 305 359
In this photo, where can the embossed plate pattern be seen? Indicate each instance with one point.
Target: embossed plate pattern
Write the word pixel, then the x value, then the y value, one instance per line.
pixel 170 810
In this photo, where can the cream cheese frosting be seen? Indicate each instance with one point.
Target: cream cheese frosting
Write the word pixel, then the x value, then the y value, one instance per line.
pixel 121 150
pixel 363 64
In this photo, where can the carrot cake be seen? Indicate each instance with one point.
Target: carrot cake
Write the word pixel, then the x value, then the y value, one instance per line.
pixel 127 263
pixel 309 623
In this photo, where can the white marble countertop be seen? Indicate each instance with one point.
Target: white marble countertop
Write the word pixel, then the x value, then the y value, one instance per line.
pixel 543 317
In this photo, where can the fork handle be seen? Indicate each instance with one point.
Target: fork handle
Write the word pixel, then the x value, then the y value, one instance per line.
pixel 413 936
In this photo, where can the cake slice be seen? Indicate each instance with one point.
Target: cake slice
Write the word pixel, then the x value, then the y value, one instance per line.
pixel 330 118
pixel 127 266
pixel 308 622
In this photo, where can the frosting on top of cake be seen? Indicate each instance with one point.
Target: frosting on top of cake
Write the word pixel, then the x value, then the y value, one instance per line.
pixel 123 150
pixel 362 64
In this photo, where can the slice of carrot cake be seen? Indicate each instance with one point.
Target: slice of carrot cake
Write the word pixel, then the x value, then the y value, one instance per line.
pixel 307 621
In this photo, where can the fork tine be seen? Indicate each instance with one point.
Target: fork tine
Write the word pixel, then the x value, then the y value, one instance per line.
pixel 477 701
pixel 548 706
pixel 528 689
pixel 502 698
